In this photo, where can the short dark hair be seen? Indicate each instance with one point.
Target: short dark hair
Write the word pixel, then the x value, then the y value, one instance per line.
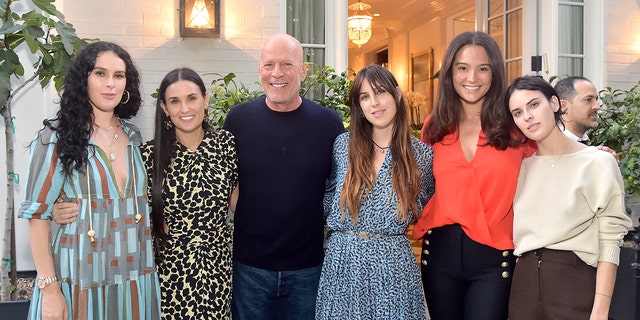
pixel 534 83
pixel 566 88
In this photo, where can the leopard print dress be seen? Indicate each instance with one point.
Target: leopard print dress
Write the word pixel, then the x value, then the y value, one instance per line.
pixel 195 269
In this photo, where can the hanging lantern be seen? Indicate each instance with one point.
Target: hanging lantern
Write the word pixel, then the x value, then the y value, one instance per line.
pixel 359 24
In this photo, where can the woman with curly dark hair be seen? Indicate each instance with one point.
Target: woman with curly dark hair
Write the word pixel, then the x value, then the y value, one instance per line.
pixel 99 266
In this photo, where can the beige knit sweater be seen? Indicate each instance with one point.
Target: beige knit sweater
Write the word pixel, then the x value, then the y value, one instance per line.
pixel 573 202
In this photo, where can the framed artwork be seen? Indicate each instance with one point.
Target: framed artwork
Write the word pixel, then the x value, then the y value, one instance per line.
pixel 420 99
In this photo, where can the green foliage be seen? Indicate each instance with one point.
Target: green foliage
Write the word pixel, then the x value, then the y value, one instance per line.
pixel 322 85
pixel 226 93
pixel 329 89
pixel 47 35
pixel 619 129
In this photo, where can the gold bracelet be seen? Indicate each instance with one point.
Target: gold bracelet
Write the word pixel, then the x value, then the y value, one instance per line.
pixel 602 294
pixel 44 281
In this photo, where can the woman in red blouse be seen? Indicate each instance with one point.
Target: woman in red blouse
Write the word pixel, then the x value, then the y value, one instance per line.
pixel 466 227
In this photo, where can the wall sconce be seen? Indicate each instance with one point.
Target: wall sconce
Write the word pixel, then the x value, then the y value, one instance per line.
pixel 199 18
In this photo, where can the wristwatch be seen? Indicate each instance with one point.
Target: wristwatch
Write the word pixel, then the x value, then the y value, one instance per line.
pixel 43 282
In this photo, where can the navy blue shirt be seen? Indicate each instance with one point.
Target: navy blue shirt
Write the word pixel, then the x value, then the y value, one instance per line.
pixel 284 160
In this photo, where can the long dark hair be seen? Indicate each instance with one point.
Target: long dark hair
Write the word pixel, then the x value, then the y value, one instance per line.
pixel 164 146
pixel 495 121
pixel 75 117
pixel 360 176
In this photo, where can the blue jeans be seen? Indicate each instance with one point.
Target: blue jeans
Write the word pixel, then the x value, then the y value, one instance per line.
pixel 264 294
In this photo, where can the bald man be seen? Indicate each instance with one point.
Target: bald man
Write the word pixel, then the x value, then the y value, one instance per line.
pixel 284 144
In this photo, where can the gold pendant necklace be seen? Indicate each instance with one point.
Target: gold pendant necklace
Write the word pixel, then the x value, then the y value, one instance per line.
pixel 559 156
pixel 112 156
pixel 551 164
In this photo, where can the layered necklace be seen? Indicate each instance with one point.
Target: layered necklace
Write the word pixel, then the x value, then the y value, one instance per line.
pixel 102 132
pixel 380 149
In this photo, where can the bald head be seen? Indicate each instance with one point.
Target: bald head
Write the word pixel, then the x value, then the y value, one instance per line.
pixel 282 70
pixel 283 42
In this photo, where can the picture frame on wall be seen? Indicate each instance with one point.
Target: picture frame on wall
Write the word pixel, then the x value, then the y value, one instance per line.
pixel 420 99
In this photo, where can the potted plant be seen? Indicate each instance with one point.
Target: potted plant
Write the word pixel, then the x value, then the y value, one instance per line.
pixel 53 43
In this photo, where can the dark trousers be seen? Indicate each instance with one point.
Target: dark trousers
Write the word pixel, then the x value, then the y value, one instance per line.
pixel 464 279
pixel 552 284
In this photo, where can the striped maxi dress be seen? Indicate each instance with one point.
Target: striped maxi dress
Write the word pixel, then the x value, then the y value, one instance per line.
pixel 115 276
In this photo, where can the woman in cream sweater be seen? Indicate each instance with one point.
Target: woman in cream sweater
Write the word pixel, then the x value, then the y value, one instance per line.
pixel 569 217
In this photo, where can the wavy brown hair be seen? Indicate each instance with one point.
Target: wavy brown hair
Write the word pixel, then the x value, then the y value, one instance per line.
pixel 496 124
pixel 361 175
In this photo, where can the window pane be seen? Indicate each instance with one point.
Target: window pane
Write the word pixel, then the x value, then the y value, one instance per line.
pixel 496 7
pixel 514 70
pixel 570 33
pixel 514 34
pixel 315 59
pixel 496 30
pixel 570 67
pixel 513 3
pixel 305 20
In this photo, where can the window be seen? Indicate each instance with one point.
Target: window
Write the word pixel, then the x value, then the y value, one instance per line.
pixel 306 22
pixel 570 38
pixel 504 24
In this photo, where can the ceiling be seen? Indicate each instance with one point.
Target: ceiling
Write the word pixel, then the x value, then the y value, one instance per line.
pixel 398 15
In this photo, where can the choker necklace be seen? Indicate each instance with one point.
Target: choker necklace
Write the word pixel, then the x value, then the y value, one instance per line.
pixel 109 143
pixel 381 149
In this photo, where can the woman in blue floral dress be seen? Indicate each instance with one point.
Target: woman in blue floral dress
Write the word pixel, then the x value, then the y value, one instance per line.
pixel 380 181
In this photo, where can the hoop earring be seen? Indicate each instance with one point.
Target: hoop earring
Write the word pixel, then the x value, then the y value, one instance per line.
pixel 128 96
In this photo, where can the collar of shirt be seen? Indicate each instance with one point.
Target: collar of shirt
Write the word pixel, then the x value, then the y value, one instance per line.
pixel 571 135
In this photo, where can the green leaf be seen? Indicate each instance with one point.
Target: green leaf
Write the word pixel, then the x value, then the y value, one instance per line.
pixel 32 43
pixel 35 32
pixel 18 70
pixel 46 6
pixel 67 35
pixel 9 27
pixel 13 40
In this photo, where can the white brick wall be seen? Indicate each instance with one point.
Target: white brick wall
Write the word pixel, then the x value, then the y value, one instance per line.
pixel 622 43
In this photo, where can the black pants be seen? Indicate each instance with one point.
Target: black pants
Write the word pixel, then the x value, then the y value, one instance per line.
pixel 552 284
pixel 464 279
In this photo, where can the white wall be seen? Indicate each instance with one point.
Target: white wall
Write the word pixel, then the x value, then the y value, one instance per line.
pixel 622 43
